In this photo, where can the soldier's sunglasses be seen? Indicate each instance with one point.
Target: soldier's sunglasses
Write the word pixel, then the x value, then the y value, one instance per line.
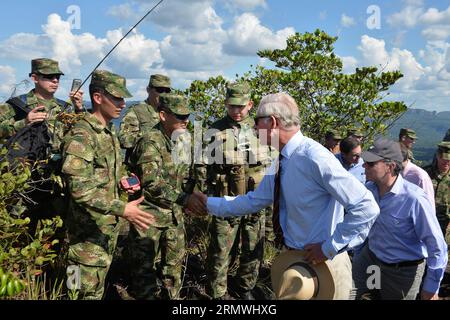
pixel 50 76
pixel 179 117
pixel 162 89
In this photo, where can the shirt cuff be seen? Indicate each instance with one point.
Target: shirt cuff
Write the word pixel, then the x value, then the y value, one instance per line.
pixel 118 207
pixel 329 250
pixel 430 285
pixel 213 205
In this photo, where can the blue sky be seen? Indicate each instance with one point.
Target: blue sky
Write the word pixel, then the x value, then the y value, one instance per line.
pixel 196 39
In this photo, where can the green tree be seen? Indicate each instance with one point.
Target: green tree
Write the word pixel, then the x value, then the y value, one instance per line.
pixel 309 70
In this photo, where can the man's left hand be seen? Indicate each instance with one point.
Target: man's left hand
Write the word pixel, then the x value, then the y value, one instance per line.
pixel 314 254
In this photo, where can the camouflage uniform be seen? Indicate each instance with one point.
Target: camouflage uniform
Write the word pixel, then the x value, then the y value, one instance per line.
pixel 242 170
pixel 410 133
pixel 441 184
pixel 162 181
pixel 92 167
pixel 11 121
pixel 140 117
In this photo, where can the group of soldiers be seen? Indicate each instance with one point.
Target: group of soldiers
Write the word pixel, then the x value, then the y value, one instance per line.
pixel 97 202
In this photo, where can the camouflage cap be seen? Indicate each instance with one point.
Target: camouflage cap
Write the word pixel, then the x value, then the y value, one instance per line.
pixel 444 147
pixel 111 83
pixel 238 94
pixel 334 134
pixel 355 132
pixel 410 133
pixel 176 103
pixel 45 66
pixel 159 81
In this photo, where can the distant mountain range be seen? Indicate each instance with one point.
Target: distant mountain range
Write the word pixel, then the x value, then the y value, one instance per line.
pixel 430 127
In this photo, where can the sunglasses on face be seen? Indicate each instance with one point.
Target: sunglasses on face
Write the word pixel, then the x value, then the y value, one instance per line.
pixel 162 89
pixel 179 117
pixel 371 164
pixel 50 76
pixel 260 117
pixel 113 99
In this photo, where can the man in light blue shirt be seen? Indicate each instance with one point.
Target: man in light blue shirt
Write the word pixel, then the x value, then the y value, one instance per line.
pixel 350 158
pixel 406 236
pixel 315 190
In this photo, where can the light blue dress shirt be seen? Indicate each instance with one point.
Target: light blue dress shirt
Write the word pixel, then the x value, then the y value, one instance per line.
pixel 315 189
pixel 407 229
pixel 356 169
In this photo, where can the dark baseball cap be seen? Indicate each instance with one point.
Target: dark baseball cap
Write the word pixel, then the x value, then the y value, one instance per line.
pixel 383 149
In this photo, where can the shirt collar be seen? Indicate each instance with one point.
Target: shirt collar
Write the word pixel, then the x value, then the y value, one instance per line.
pixel 96 124
pixel 398 185
pixel 292 145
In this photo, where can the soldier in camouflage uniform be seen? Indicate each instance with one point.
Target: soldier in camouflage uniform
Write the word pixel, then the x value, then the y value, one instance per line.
pixel 332 140
pixel 41 105
pixel 439 171
pixel 408 137
pixel 141 117
pixel 234 168
pixel 162 163
pixel 92 169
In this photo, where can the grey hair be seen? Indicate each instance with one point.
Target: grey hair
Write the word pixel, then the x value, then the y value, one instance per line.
pixel 282 106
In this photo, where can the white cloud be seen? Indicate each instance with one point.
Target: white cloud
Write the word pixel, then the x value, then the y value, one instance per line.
pixel 408 16
pixel 135 56
pixel 124 11
pixel 183 55
pixel 246 4
pixel 24 46
pixel 247 36
pixel 374 53
pixel 347 21
pixel 7 81
pixel 437 32
pixel 349 64
pixel 434 16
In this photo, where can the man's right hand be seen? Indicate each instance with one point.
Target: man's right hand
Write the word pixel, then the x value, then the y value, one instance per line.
pixel 139 218
pixel 36 115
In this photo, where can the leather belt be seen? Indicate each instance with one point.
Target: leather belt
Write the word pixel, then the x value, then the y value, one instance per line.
pixel 396 264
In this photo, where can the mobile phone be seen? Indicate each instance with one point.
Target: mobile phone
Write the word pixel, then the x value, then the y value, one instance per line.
pixel 131 182
pixel 76 84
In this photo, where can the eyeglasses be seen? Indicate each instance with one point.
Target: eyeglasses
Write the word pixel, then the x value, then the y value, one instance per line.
pixel 260 117
pixel 179 117
pixel 113 99
pixel 371 164
pixel 162 89
pixel 50 76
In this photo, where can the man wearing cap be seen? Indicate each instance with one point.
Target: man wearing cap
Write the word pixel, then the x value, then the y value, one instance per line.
pixel 162 161
pixel 234 168
pixel 39 106
pixel 355 133
pixel 92 170
pixel 143 116
pixel 439 172
pixel 309 190
pixel 332 139
pixel 405 238
pixel 40 103
pixel 408 137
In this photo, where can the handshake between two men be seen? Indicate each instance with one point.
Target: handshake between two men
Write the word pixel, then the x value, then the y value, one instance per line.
pixel 196 204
